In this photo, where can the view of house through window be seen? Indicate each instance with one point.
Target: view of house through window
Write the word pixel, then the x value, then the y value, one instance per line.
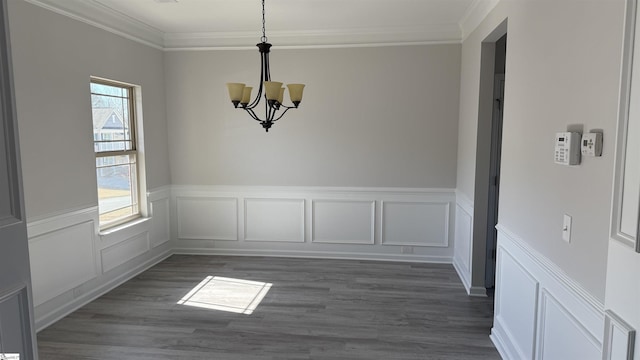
pixel 115 148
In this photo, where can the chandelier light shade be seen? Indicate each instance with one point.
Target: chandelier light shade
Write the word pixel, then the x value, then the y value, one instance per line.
pixel 273 91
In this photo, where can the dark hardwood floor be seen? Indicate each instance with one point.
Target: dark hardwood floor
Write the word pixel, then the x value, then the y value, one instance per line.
pixel 315 309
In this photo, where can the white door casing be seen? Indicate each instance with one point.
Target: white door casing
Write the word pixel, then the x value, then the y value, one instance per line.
pixel 17 335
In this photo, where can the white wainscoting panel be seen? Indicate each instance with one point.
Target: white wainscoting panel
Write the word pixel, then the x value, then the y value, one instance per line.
pixel 515 307
pixel 619 338
pixel 72 262
pixel 207 218
pixel 323 222
pixel 343 221
pixel 463 240
pixel 540 312
pixel 561 335
pixel 411 223
pixel 274 220
pixel 160 220
pixel 124 251
pixel 62 259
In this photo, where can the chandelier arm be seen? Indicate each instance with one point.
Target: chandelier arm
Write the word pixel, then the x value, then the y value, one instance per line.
pixel 253 114
pixel 286 108
pixel 255 101
pixel 267 69
pixel 269 110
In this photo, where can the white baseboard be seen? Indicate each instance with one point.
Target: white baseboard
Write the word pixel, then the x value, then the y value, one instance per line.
pixel 314 255
pixel 500 343
pixel 462 274
pixel 478 291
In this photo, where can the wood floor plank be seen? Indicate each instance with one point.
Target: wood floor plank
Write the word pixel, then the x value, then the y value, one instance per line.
pixel 315 309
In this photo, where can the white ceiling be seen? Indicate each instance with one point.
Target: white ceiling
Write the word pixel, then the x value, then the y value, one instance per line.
pixel 186 24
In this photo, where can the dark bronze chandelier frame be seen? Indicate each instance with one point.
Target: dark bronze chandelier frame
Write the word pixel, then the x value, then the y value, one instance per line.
pixel 272 106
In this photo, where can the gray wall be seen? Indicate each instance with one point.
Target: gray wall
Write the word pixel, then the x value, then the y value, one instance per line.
pixel 371 117
pixel 53 59
pixel 565 72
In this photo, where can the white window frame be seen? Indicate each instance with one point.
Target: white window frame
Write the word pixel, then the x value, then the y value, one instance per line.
pixel 136 151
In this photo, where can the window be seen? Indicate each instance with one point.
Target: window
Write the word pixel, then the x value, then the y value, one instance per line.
pixel 114 143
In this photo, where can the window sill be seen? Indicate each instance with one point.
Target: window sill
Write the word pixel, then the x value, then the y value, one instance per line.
pixel 125 231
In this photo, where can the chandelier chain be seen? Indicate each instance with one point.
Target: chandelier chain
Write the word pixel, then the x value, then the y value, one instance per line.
pixel 264 31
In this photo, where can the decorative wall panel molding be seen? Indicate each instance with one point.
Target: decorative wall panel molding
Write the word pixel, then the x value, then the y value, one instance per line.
pixel 160 221
pixel 314 222
pixel 540 311
pixel 72 263
pixel 207 218
pixel 122 252
pixel 326 222
pixel 413 223
pixel 561 335
pixel 463 243
pixel 49 313
pixel 122 233
pixel 46 224
pixel 343 221
pixel 619 338
pixel 274 220
pixel 62 259
pixel 516 306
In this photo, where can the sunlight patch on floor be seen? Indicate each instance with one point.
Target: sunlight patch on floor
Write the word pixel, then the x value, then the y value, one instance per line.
pixel 227 294
pixel 9 356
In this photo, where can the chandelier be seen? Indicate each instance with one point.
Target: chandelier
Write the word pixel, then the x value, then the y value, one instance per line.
pixel 274 109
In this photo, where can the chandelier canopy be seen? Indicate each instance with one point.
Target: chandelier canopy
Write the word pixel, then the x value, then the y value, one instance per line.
pixel 274 108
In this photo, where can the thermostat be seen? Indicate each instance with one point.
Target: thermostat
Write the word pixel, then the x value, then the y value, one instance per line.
pixel 567 149
pixel 592 144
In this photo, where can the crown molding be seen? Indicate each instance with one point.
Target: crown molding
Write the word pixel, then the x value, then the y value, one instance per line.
pixel 449 33
pixel 476 12
pixel 96 14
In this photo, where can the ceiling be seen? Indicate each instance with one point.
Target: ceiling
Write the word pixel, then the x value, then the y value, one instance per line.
pixel 193 24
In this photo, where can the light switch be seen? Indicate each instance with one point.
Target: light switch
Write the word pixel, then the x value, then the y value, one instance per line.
pixel 566 228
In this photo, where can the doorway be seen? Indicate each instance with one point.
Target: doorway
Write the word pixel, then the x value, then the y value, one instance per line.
pixel 488 150
pixel 494 164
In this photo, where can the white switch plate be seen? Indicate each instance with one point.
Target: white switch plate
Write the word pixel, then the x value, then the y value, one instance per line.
pixel 566 228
